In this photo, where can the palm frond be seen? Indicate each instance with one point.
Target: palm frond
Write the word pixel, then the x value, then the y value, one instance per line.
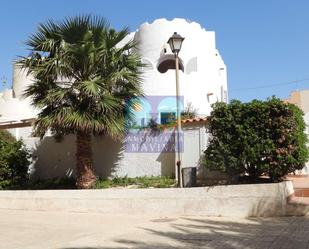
pixel 101 75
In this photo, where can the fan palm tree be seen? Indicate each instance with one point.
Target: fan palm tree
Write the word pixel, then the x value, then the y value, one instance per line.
pixel 84 73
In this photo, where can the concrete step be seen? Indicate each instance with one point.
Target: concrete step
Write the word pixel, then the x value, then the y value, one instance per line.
pixel 300 200
pixel 300 184
pixel 301 192
pixel 298 206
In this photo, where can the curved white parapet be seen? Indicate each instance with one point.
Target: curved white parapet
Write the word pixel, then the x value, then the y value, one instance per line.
pixel 21 80
pixel 204 71
pixel 14 106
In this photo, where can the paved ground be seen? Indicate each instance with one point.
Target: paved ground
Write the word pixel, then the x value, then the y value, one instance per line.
pixel 38 230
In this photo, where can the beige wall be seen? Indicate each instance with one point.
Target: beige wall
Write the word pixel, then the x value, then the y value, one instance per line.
pixel 304 95
pixel 301 99
pixel 294 98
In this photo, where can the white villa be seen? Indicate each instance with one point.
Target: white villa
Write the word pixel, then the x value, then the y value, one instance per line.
pixel 203 81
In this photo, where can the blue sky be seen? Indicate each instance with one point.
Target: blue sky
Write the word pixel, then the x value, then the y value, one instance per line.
pixel 264 43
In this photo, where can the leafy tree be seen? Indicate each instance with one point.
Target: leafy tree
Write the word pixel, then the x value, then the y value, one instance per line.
pixel 14 161
pixel 256 138
pixel 83 77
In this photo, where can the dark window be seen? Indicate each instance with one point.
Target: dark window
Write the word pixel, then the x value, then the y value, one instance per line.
pixel 168 117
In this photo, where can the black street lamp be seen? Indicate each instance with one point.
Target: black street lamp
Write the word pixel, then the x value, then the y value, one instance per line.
pixel 175 42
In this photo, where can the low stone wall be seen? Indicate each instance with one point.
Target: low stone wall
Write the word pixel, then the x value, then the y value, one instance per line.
pixel 230 200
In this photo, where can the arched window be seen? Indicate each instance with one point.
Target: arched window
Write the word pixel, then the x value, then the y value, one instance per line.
pixel 167 109
pixel 167 62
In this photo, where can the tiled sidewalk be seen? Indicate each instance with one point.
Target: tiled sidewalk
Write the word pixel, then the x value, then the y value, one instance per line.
pixel 43 230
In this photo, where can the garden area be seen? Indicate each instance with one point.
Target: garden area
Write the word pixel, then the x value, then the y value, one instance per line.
pixel 15 160
pixel 255 142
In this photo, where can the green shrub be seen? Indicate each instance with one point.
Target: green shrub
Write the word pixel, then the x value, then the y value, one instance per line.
pixel 139 182
pixel 54 183
pixel 14 161
pixel 101 183
pixel 256 138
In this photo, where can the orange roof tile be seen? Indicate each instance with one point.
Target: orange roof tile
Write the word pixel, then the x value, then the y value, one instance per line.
pixel 194 120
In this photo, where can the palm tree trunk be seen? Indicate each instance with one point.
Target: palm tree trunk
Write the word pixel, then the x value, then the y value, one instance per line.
pixel 84 164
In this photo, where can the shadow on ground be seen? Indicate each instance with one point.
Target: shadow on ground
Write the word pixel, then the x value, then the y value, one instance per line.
pixel 285 232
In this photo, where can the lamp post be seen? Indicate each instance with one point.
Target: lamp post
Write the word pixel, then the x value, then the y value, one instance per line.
pixel 175 42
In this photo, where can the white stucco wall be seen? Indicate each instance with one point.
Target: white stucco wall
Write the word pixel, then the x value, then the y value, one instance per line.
pixel 57 159
pixel 258 200
pixel 21 80
pixel 13 105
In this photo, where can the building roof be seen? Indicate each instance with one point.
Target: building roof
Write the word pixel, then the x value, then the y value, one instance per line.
pixel 15 123
pixel 19 123
pixel 194 120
